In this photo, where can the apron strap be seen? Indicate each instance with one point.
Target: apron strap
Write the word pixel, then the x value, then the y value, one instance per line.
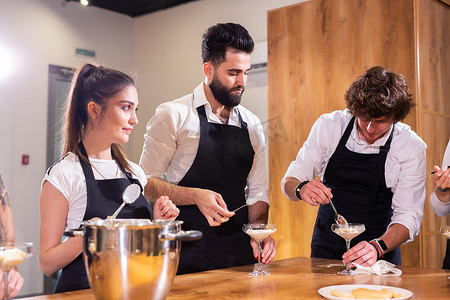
pixel 87 169
pixel 347 132
pixel 379 168
pixel 203 118
pixel 89 174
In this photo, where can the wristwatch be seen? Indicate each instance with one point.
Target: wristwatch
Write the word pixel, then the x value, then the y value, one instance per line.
pixel 380 246
pixel 443 190
pixel 297 189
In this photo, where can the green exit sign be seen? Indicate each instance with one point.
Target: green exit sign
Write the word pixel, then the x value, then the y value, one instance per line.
pixel 85 52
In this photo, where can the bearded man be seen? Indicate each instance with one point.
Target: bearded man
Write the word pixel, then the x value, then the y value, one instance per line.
pixel 211 151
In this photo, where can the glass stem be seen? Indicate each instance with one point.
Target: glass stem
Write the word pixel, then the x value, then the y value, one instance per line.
pixel 347 243
pixel 5 282
pixel 259 256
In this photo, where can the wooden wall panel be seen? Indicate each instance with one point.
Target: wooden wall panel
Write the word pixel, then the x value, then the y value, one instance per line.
pixel 316 50
pixel 434 45
pixel 434 106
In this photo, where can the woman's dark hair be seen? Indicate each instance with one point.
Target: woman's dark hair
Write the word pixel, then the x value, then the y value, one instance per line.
pixel 222 37
pixel 98 84
pixel 378 93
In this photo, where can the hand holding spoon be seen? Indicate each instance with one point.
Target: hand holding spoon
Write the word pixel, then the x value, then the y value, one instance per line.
pixel 436 171
pixel 130 194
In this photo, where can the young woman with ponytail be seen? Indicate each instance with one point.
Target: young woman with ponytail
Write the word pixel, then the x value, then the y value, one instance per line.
pixel 89 180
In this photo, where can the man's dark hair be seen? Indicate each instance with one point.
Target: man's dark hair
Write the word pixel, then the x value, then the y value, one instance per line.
pixel 222 37
pixel 378 93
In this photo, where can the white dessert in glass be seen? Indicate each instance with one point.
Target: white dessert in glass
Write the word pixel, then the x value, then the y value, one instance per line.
pixel 348 232
pixel 259 232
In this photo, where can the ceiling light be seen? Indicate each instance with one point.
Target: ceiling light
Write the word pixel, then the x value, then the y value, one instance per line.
pixel 84 2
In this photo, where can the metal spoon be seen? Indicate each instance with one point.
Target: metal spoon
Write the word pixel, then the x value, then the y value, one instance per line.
pixel 337 217
pixel 130 194
pixel 251 202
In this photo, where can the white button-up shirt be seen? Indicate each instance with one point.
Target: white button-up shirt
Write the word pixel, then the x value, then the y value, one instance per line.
pixel 405 168
pixel 173 135
pixel 440 208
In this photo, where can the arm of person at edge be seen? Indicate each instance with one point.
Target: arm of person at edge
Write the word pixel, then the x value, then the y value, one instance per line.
pixel 315 193
pixel 15 282
pixel 439 200
pixel 442 180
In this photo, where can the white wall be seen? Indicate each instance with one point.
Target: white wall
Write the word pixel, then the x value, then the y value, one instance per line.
pixel 164 47
pixel 38 33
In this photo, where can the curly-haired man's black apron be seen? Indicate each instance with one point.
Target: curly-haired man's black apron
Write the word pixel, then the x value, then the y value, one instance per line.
pixel 360 194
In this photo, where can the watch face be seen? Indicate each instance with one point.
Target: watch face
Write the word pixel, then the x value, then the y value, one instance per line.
pixel 382 245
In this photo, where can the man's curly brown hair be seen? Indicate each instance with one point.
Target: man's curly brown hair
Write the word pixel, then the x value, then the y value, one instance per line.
pixel 378 93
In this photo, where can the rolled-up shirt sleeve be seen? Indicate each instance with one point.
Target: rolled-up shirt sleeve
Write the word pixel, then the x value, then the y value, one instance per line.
pixel 257 180
pixel 440 208
pixel 409 189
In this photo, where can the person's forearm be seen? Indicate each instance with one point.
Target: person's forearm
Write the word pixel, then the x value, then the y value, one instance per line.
pixel 443 196
pixel 258 212
pixel 61 255
pixel 156 187
pixel 290 185
pixel 6 218
pixel 395 236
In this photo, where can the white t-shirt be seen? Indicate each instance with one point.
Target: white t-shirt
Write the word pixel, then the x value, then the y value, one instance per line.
pixel 67 176
pixel 440 208
pixel 405 167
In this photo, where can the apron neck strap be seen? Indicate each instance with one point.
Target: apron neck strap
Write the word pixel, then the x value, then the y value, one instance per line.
pixel 379 168
pixel 87 168
pixel 202 116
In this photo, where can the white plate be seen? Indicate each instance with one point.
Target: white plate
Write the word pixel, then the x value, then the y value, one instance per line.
pixel 326 291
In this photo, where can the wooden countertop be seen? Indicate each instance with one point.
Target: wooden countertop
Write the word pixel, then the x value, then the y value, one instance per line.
pixel 293 278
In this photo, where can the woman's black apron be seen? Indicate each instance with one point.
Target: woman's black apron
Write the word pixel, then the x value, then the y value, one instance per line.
pixel 222 164
pixel 103 198
pixel 360 194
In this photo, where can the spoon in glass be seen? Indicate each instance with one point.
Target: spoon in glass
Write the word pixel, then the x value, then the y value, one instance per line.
pixel 130 194
pixel 337 217
pixel 251 202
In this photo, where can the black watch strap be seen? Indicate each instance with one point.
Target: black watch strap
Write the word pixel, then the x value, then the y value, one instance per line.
pixel 297 189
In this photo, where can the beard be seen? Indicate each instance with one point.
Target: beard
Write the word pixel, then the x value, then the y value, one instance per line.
pixel 224 95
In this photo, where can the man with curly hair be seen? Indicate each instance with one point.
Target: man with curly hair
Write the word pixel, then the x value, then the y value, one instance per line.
pixel 370 164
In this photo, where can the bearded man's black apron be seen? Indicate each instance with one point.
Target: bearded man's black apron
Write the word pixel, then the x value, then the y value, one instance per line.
pixel 103 198
pixel 360 194
pixel 222 164
pixel 446 262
